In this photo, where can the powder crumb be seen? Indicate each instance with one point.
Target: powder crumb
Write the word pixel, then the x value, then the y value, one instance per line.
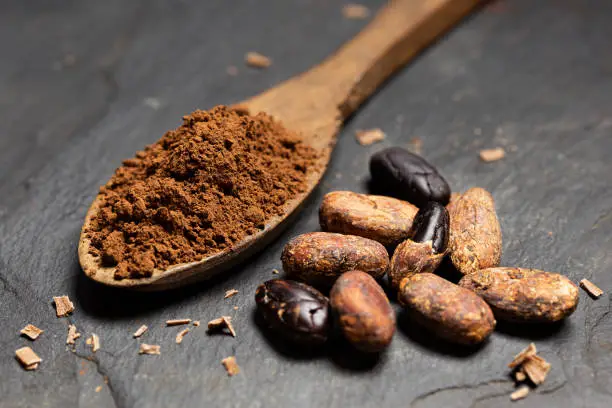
pixel 177 322
pixel 527 352
pixel 593 290
pixel 180 335
pixel 520 393
pixel 231 70
pixel 32 332
pixel 230 293
pixel 98 388
pixel 230 365
pixel 94 342
pixel 491 155
pixel 28 358
pixel 257 60
pixel 275 271
pixel 368 137
pixel 196 323
pixel 221 323
pixel 198 191
pixel 72 334
pixel 149 349
pixel 141 330
pixel 355 11
pixel 63 306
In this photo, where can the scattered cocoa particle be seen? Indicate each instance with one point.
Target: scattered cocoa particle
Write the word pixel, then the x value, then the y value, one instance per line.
pixel 536 368
pixel 180 335
pixel 177 322
pixel 149 349
pixel 98 388
pixel 520 376
pixel 196 323
pixel 230 365
pixel 230 293
pixel 94 342
pixel 275 271
pixel 593 290
pixel 141 330
pixel 368 137
pixel 221 323
pixel 197 191
pixel 63 306
pixel 527 352
pixel 257 60
pixel 355 11
pixel 491 155
pixel 235 307
pixel 32 332
pixel 520 393
pixel 231 70
pixel 28 358
pixel 72 334
pixel 416 145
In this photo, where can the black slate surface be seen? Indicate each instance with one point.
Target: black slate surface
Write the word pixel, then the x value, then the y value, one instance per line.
pixel 84 84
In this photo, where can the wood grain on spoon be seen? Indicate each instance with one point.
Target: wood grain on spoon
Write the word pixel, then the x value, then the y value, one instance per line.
pixel 315 104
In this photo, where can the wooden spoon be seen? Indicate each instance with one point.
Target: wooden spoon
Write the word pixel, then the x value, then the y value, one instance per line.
pixel 314 104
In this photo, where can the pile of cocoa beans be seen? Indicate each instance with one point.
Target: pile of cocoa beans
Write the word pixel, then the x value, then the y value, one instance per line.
pixel 421 225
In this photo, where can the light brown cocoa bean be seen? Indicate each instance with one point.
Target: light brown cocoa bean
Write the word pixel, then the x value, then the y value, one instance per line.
pixel 363 312
pixel 411 258
pixel 383 219
pixel 319 258
pixel 447 310
pixel 524 295
pixel 475 240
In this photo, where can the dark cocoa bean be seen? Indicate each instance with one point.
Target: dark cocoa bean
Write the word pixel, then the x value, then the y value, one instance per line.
pixel 431 224
pixel 296 311
pixel 363 312
pixel 407 176
pixel 447 310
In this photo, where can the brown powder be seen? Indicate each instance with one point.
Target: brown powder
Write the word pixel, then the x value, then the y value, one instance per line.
pixel 197 191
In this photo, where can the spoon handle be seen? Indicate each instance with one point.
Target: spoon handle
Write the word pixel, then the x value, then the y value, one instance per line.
pixel 399 32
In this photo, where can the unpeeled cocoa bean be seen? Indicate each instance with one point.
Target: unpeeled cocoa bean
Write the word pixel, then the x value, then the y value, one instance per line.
pixel 447 310
pixel 524 295
pixel 426 249
pixel 319 258
pixel 475 240
pixel 383 219
pixel 296 311
pixel 363 312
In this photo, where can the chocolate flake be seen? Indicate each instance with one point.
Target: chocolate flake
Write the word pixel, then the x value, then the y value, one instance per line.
pixel 230 293
pixel 72 334
pixel 491 155
pixel 180 335
pixel 31 331
pixel 368 137
pixel 230 365
pixel 63 306
pixel 536 368
pixel 257 60
pixel 520 393
pixel 141 330
pixel 28 358
pixel 355 11
pixel 149 349
pixel 220 323
pixel 177 322
pixel 529 351
pixel 593 290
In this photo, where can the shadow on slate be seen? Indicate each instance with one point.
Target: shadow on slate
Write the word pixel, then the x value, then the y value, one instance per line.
pixel 422 336
pixel 533 331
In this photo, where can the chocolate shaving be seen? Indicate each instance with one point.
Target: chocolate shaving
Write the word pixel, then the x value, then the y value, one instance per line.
pixel 149 349
pixel 221 323
pixel 529 351
pixel 520 393
pixel 72 334
pixel 141 330
pixel 31 331
pixel 536 368
pixel 230 293
pixel 63 306
pixel 593 290
pixel 180 335
pixel 368 137
pixel 257 60
pixel 28 358
pixel 177 322
pixel 230 365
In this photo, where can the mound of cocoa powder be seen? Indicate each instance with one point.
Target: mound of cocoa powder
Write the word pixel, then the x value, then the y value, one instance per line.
pixel 198 190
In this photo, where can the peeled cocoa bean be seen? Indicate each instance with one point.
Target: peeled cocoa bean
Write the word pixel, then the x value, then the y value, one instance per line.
pixel 363 312
pixel 475 240
pixel 524 295
pixel 383 219
pixel 319 258
pixel 447 310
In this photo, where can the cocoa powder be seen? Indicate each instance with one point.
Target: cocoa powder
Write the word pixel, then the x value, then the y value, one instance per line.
pixel 197 191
